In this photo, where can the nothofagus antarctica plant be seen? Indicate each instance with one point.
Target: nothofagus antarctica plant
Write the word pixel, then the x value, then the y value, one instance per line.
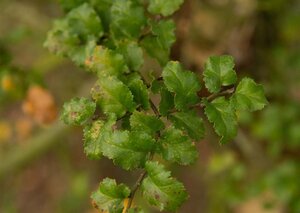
pixel 110 39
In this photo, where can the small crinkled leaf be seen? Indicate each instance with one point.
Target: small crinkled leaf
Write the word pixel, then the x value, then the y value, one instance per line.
pixel 190 122
pixel 249 96
pixel 79 54
pixel 184 84
pixel 164 30
pixel 106 62
pixel 128 150
pixel 110 196
pixel 164 7
pixel 113 96
pixel 127 19
pixel 78 111
pixel 162 38
pixel 139 90
pixel 219 71
pixel 95 135
pixel 132 53
pixel 103 9
pixel 149 124
pixel 177 147
pixel 84 22
pixel 222 114
pixel 162 190
pixel 69 36
pixel 166 102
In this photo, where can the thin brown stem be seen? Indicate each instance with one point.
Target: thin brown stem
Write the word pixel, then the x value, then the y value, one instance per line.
pixel 209 98
pixel 134 190
pixel 144 172
pixel 222 93
pixel 137 185
pixel 154 108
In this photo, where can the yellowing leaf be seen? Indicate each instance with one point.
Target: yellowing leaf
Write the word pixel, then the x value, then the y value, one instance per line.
pixel 110 196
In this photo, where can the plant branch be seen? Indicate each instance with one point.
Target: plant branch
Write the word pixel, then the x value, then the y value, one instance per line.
pixel 222 93
pixel 136 186
pixel 134 190
pixel 144 173
pixel 209 98
pixel 153 107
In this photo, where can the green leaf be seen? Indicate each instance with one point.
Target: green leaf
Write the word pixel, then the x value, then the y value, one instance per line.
pixel 84 22
pixel 79 54
pixel 103 9
pixel 149 124
pixel 158 44
pixel 128 149
pixel 113 96
pixel 70 35
pixel 95 135
pixel 139 90
pixel 166 102
pixel 218 72
pixel 190 122
pixel 106 62
pixel 132 53
pixel 249 96
pixel 78 111
pixel 177 147
pixel 221 113
pixel 127 19
pixel 161 190
pixel 184 84
pixel 165 7
pixel 110 196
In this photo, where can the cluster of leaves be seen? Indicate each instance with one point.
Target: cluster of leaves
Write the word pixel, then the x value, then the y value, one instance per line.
pixel 110 38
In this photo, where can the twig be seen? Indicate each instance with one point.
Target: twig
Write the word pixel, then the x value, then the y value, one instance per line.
pixel 209 98
pixel 225 92
pixel 144 173
pixel 134 190
pixel 153 107
pixel 137 185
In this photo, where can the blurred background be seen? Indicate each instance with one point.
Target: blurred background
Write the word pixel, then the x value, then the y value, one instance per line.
pixel 42 165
